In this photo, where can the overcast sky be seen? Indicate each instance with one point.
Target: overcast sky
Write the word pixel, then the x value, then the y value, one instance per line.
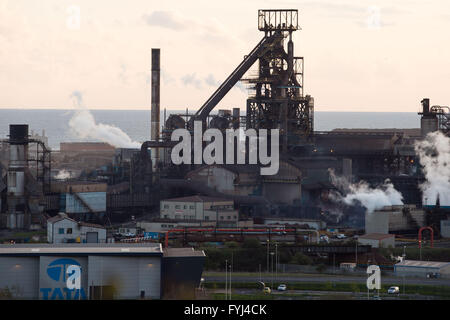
pixel 359 55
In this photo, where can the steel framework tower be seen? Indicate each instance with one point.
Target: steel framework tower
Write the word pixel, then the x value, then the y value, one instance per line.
pixel 278 100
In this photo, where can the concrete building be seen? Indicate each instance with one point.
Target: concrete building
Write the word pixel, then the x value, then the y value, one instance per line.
pixel 414 268
pixel 445 228
pixel 283 187
pixel 62 229
pixel 378 240
pixel 200 208
pixel 394 218
pixel 112 271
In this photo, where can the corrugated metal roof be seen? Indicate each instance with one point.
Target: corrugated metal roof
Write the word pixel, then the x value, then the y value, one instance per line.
pixel 81 249
pixel 422 264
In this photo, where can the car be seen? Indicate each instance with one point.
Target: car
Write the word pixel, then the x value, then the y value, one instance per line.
pixel 394 290
pixel 282 287
pixel 324 238
pixel 267 290
pixel 341 236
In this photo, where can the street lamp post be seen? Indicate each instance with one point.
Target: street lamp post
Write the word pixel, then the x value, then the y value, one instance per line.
pixel 272 268
pixel 231 270
pixel 404 258
pixel 276 261
pixel 268 245
pixel 226 279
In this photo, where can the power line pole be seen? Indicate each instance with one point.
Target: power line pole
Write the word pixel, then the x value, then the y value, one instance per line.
pixel 226 278
pixel 276 261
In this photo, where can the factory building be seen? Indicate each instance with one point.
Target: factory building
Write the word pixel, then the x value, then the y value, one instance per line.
pixel 113 271
pixel 62 229
pixel 240 180
pixel 378 240
pixel 413 268
pixel 200 208
pixel 394 219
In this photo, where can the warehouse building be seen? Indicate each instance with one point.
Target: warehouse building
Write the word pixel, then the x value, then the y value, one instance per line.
pixel 107 271
pixel 62 229
pixel 413 268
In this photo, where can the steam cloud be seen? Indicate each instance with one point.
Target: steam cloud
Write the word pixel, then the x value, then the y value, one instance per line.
pixel 434 156
pixel 83 125
pixel 63 175
pixel 370 198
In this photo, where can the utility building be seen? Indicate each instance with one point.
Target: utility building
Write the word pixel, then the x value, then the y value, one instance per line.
pixel 62 229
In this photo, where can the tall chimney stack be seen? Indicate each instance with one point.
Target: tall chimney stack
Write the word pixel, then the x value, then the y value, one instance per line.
pixel 155 114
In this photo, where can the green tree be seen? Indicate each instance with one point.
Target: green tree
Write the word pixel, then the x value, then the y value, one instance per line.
pixel 301 259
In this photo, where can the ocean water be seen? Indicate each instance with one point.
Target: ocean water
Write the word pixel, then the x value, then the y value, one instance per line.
pixel 136 123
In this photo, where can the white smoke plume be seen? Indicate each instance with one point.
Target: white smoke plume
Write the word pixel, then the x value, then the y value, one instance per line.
pixel 434 156
pixel 361 193
pixel 83 125
pixel 63 175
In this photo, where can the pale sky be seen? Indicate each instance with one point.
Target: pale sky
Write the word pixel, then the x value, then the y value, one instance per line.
pixel 354 61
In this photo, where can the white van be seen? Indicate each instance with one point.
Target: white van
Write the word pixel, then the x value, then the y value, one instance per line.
pixel 394 290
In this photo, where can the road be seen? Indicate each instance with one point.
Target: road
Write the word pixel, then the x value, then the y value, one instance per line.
pixel 324 278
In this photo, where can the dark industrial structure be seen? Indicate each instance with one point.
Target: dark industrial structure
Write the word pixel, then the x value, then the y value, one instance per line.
pixel 137 179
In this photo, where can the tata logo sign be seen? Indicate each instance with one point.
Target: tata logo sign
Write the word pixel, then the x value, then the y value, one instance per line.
pixel 66 273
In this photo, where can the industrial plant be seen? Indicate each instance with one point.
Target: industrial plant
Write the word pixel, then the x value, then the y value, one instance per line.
pixel 105 206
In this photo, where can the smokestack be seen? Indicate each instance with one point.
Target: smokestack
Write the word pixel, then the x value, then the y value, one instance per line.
pixel 155 114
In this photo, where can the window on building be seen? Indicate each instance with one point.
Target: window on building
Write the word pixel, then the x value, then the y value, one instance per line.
pixel 184 207
pixel 177 206
pixel 191 207
pixel 164 226
pixel 229 217
pixel 165 216
pixel 166 206
pixel 69 230
pixel 221 217
pixel 61 230
pixel 206 217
